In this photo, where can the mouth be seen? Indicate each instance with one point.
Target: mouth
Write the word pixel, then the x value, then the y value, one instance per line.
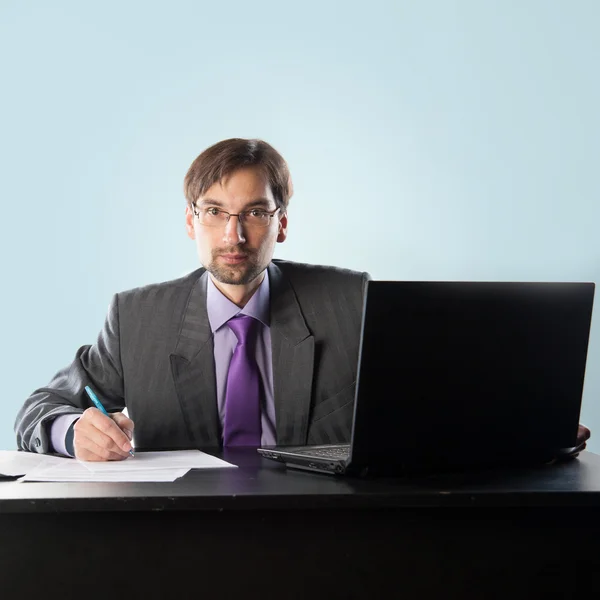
pixel 233 259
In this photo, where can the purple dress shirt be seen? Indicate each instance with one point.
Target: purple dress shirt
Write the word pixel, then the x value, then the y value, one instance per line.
pixel 58 432
pixel 220 309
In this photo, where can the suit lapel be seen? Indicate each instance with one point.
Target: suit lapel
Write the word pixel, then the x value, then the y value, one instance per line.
pixel 192 366
pixel 293 358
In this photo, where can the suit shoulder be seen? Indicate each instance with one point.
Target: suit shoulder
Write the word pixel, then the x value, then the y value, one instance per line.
pixel 324 274
pixel 179 286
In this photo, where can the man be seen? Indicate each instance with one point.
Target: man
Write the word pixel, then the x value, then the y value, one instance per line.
pixel 244 351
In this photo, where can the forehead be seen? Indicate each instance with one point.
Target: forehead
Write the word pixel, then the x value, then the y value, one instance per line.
pixel 241 186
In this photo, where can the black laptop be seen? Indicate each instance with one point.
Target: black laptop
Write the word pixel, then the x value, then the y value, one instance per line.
pixel 461 375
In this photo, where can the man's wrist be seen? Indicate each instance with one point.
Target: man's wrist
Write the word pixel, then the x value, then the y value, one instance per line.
pixel 59 429
pixel 69 439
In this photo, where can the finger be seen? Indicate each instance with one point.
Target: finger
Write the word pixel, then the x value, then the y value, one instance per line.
pixel 89 456
pixel 109 428
pixel 87 427
pixel 88 449
pixel 94 442
pixel 583 433
pixel 125 424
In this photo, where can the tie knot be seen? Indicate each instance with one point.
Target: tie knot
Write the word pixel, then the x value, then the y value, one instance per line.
pixel 242 326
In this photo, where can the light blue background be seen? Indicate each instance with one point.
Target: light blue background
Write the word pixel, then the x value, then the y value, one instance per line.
pixel 427 140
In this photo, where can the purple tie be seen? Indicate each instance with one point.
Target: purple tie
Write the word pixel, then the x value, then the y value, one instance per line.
pixel 241 426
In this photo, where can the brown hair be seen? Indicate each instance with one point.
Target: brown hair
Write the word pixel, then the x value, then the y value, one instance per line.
pixel 221 160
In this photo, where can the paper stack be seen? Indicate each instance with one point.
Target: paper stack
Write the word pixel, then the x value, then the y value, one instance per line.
pixel 145 466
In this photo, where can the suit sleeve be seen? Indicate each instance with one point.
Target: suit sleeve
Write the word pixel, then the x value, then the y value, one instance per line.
pixel 98 366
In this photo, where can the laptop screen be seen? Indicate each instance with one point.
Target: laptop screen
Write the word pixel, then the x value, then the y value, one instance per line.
pixel 450 370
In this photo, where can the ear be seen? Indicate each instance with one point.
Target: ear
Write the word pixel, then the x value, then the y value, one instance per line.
pixel 189 222
pixel 282 233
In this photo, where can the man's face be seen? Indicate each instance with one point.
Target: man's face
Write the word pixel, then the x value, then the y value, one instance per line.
pixel 235 253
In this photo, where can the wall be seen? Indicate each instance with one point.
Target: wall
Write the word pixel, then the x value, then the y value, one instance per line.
pixel 427 140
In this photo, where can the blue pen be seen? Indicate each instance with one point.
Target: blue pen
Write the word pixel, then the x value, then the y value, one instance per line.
pixel 99 406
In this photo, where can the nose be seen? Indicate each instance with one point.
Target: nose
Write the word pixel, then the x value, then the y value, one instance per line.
pixel 233 234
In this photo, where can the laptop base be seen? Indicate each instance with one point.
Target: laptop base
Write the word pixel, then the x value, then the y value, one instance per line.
pixel 320 459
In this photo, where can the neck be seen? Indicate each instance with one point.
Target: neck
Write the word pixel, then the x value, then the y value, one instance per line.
pixel 239 294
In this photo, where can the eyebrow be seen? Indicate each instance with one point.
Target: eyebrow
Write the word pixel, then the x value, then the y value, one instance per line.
pixel 264 202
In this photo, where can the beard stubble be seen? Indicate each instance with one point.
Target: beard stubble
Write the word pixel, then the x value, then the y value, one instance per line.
pixel 235 274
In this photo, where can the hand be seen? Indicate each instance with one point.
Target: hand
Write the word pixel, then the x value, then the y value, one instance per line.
pixel 101 438
pixel 583 434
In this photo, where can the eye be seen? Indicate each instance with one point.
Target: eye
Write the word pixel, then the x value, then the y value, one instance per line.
pixel 257 213
pixel 212 211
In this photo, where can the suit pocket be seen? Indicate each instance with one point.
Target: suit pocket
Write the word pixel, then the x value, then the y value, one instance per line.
pixel 336 402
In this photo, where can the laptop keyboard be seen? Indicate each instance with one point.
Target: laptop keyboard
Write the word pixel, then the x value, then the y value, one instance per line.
pixel 339 452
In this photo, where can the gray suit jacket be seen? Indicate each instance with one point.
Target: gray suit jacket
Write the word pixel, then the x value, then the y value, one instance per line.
pixel 155 356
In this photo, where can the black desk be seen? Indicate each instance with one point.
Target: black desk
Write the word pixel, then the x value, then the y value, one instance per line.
pixel 262 531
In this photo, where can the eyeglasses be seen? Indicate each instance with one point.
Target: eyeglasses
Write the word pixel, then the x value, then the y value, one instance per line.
pixel 215 217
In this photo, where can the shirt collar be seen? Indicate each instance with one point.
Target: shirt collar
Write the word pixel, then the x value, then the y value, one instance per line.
pixel 220 309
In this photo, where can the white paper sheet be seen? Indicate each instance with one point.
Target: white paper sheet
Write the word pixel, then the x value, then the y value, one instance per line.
pixel 14 463
pixel 144 461
pixel 144 466
pixel 74 471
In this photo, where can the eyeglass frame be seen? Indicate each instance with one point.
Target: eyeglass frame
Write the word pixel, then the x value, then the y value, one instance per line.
pixel 229 215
